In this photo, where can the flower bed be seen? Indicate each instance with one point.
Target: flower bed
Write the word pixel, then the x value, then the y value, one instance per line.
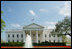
pixel 37 47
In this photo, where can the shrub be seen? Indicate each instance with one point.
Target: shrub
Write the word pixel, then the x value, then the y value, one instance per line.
pixel 49 44
pixel 35 44
pixel 12 44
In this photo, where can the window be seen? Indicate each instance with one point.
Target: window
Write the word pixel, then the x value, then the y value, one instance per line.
pixel 8 35
pixel 39 35
pixel 49 40
pixel 54 40
pixel 13 35
pixel 21 40
pixel 58 40
pixel 13 40
pixel 8 40
pixel 45 35
pixel 29 33
pixel 33 34
pixel 17 36
pixel 17 40
pixel 21 35
pixel 53 35
pixel 57 35
pixel 38 41
pixel 49 35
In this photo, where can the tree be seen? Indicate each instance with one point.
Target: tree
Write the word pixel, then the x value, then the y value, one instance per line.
pixel 63 27
pixel 2 23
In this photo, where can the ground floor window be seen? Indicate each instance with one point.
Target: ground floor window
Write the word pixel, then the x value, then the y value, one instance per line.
pixel 13 40
pixel 21 40
pixel 38 41
pixel 49 40
pixel 33 35
pixel 58 40
pixel 17 40
pixel 54 40
pixel 8 40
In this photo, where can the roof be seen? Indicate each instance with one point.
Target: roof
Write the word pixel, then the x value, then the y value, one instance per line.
pixel 33 26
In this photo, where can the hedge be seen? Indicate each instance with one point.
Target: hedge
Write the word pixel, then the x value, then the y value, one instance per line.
pixel 35 44
pixel 50 44
pixel 12 44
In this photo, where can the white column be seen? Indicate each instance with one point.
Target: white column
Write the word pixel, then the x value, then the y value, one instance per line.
pixel 42 36
pixel 24 36
pixel 37 36
pixel 30 32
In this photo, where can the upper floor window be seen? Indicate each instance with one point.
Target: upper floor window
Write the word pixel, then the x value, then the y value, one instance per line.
pixel 38 35
pixel 17 35
pixel 49 35
pixel 13 35
pixel 21 35
pixel 53 35
pixel 45 35
pixel 8 35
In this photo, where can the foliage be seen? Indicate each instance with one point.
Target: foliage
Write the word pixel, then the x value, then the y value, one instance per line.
pixel 1 11
pixel 2 23
pixel 50 44
pixel 35 44
pixel 12 44
pixel 63 27
pixel 64 38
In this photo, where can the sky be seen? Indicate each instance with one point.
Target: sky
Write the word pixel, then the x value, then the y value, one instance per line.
pixel 17 14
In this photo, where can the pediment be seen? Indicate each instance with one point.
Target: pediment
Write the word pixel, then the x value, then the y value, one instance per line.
pixel 33 26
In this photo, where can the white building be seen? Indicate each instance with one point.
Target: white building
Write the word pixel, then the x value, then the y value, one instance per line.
pixel 37 33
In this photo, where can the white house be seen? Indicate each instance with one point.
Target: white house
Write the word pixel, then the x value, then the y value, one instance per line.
pixel 37 33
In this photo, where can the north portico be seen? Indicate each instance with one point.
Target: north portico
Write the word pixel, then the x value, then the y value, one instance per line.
pixel 35 31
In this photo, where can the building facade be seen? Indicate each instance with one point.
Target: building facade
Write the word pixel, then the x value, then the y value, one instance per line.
pixel 37 33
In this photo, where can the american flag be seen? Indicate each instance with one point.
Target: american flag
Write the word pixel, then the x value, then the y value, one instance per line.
pixel 32 19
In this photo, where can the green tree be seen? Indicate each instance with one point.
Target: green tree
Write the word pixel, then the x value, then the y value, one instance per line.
pixel 2 23
pixel 63 27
